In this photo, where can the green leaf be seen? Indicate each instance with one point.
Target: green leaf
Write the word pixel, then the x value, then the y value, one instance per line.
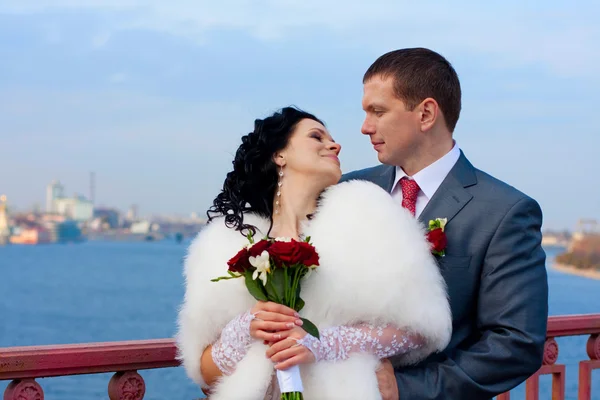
pixel 271 291
pixel 298 288
pixel 299 304
pixel 310 328
pixel 255 287
pixel 232 275
pixel 288 299
pixel 277 278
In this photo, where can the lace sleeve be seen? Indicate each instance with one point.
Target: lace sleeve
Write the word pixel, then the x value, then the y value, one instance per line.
pixel 337 343
pixel 233 343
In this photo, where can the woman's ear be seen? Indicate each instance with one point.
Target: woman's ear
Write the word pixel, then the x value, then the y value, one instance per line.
pixel 279 159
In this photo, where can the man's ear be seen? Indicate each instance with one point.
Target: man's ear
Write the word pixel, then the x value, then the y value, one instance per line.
pixel 429 112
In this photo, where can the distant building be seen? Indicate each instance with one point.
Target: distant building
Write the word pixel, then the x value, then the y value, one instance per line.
pixel 54 191
pixel 132 213
pixel 36 235
pixel 108 216
pixel 66 232
pixel 141 227
pixel 4 226
pixel 587 230
pixel 77 208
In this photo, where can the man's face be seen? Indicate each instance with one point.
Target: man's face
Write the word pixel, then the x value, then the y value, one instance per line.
pixel 394 131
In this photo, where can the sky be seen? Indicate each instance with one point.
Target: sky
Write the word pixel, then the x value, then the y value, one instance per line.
pixel 153 96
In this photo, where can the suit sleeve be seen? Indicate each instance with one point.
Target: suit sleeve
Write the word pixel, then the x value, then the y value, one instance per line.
pixel 511 318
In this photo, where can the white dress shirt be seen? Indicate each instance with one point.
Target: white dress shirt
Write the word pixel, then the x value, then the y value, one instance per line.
pixel 429 179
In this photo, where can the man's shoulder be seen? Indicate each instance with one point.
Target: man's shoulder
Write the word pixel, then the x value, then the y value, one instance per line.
pixel 497 191
pixel 366 173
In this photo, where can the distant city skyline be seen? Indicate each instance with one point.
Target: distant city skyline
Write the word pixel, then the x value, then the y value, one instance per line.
pixel 154 97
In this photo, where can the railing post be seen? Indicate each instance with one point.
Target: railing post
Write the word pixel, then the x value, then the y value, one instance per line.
pixel 549 366
pixel 24 389
pixel 586 367
pixel 126 386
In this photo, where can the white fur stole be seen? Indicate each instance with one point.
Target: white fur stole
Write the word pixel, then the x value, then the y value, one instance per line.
pixel 375 266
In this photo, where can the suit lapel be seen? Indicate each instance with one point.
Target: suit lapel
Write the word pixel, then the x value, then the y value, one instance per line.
pixel 451 196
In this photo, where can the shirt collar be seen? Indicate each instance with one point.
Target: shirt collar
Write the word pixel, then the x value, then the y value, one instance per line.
pixel 431 177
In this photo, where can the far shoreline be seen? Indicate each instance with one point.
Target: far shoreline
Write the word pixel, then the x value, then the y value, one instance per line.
pixel 569 269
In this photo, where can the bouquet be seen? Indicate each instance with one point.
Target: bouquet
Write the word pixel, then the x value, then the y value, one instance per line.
pixel 272 270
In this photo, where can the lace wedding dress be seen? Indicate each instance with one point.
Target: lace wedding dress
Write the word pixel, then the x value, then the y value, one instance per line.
pixel 335 344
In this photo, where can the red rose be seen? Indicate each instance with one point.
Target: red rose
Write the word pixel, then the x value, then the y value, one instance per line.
pixel 308 255
pixel 240 262
pixel 437 238
pixel 294 252
pixel 258 247
pixel 284 252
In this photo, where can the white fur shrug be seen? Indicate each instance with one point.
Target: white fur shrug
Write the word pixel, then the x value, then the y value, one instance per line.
pixel 375 266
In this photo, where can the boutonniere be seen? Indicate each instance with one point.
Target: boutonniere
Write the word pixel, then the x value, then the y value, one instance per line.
pixel 437 237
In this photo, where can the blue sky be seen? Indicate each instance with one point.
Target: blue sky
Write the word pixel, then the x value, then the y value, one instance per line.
pixel 153 96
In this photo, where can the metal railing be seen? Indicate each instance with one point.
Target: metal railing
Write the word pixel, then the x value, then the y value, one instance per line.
pixel 23 365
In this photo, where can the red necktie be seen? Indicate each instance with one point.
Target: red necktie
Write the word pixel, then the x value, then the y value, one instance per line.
pixel 410 191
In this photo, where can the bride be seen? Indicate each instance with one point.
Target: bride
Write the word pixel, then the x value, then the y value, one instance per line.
pixel 377 293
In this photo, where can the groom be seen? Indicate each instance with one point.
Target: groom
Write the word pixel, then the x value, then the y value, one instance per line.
pixel 494 264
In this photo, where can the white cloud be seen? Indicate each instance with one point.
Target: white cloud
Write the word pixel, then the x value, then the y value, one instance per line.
pixel 562 40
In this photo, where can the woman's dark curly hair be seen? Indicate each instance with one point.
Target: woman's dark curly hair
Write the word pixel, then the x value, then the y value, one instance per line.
pixel 250 187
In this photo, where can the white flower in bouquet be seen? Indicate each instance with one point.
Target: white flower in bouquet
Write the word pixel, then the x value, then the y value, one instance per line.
pixel 262 265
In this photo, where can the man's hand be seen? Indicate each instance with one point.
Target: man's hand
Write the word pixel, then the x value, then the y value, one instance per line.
pixel 386 379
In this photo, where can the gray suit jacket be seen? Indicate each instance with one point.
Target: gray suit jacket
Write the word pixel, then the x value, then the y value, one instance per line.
pixel 495 271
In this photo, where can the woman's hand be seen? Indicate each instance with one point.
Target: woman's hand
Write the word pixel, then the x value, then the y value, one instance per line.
pixel 273 322
pixel 287 352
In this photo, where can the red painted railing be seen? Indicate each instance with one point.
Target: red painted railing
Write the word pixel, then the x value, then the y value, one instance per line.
pixel 571 325
pixel 23 364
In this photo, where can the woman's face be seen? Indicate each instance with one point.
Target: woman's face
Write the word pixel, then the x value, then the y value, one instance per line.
pixel 312 153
